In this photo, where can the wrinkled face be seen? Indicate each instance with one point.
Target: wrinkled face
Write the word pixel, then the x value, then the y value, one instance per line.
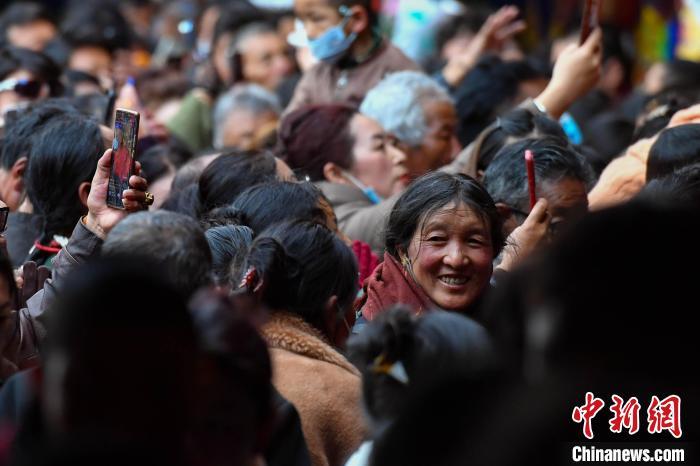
pixel 451 256
pixel 567 201
pixel 266 60
pixel 242 128
pixel 10 98
pixel 438 146
pixel 32 36
pixel 377 162
pixel 317 15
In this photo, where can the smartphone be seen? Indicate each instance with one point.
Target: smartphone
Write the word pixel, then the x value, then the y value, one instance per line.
pixel 4 212
pixel 126 131
pixel 530 167
pixel 589 21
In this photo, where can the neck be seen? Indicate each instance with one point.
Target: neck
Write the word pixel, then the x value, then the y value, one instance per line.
pixel 362 47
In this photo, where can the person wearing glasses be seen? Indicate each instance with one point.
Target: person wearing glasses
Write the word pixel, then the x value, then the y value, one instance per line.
pixel 25 76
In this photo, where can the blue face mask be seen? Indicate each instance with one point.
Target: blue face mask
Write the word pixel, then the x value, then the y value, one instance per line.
pixel 334 43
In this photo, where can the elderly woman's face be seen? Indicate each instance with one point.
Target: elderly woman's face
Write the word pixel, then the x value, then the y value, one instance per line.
pixel 439 144
pixel 451 256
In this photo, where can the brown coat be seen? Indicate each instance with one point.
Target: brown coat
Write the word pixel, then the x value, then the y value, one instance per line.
pixel 322 385
pixel 327 83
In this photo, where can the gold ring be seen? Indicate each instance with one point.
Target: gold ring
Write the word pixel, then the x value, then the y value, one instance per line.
pixel 149 199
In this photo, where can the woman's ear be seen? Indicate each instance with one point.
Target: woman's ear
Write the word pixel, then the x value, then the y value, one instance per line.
pixel 504 210
pixel 360 19
pixel 333 173
pixel 84 192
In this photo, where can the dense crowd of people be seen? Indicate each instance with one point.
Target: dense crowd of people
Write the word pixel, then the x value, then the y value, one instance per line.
pixel 331 253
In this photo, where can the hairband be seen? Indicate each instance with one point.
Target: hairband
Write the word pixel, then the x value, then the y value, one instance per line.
pixel 250 279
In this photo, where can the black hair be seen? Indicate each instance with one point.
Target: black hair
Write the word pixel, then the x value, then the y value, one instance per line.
pixel 176 242
pixel 514 125
pixel 609 134
pixel 228 244
pixel 19 131
pixel 368 5
pixel 674 148
pixel 274 202
pixel 487 90
pixel 506 177
pixel 681 75
pixel 155 162
pixel 41 66
pixel 658 111
pixel 681 186
pixel 234 16
pixel 7 272
pixel 429 347
pixel 91 326
pixel 430 193
pixel 63 155
pixel 96 24
pixel 20 14
pixel 301 265
pixel 237 395
pixel 468 22
pixel 230 174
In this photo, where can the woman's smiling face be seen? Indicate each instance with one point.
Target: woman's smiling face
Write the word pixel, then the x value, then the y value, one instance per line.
pixel 451 256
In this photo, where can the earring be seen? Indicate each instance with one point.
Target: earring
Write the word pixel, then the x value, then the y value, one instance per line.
pixel 405 262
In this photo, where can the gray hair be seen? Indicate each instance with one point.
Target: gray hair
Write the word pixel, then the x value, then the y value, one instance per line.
pixel 250 97
pixel 398 101
pixel 173 240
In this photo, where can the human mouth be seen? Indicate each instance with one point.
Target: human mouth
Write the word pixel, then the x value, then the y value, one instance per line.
pixel 453 280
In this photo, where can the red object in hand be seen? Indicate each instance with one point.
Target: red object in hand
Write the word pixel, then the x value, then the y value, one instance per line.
pixel 530 165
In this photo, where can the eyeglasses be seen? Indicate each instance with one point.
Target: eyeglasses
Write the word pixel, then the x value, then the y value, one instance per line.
pixel 28 88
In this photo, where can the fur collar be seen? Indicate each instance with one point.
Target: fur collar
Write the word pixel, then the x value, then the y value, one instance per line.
pixel 291 333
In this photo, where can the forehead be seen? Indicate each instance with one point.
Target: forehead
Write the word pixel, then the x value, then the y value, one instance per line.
pixel 361 124
pixel 565 194
pixel 440 111
pixel 457 217
pixel 308 5
pixel 261 40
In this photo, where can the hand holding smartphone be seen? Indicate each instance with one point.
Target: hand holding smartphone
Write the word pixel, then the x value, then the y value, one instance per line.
pixel 126 130
pixel 589 20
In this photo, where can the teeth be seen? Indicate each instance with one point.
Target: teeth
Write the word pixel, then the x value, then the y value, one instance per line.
pixel 453 280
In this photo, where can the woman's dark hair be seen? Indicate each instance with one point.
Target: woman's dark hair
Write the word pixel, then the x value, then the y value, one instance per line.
pixel 301 265
pixel 430 347
pixel 228 244
pixel 515 125
pixel 264 205
pixel 658 111
pixel 675 148
pixel 230 174
pixel 314 135
pixel 39 65
pixel 430 193
pixel 682 186
pixel 63 155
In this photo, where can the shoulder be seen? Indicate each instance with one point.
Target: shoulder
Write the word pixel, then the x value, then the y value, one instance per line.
pixel 396 60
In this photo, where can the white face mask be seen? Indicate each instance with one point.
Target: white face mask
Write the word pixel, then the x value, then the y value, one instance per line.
pixel 298 37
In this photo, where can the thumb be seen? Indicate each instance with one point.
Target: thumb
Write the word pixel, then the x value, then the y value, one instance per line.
pixel 538 214
pixel 104 167
pixel 594 39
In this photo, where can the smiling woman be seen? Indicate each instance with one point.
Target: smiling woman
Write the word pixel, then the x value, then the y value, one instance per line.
pixel 442 237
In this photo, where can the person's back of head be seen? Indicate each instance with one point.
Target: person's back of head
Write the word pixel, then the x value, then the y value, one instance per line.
pixel 682 186
pixel 62 162
pixel 101 337
pixel 264 205
pixel 674 148
pixel 96 24
pixel 506 177
pixel 232 173
pixel 305 269
pixel 236 410
pixel 315 135
pixel 228 244
pixel 399 354
pixel 174 241
pixel 41 68
pixel 512 127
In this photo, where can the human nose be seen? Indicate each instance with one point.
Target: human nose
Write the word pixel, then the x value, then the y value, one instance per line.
pixel 454 255
pixel 397 156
